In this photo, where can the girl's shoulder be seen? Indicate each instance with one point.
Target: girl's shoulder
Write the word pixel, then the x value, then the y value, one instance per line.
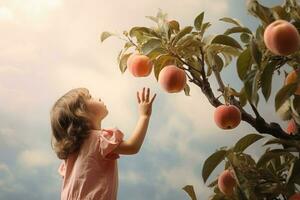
pixel 105 131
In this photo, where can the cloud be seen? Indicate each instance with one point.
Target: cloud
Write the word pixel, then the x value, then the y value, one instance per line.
pixel 6 178
pixel 131 177
pixel 9 137
pixel 195 108
pixel 182 175
pixel 35 158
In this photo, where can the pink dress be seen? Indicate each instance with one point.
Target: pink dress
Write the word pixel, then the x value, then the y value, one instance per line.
pixel 92 172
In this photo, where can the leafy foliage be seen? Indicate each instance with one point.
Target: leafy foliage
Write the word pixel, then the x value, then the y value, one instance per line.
pixel 276 173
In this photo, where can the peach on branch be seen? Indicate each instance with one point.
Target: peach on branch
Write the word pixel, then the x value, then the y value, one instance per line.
pixel 172 79
pixel 139 65
pixel 282 38
pixel 226 182
pixel 292 78
pixel 295 197
pixel 227 116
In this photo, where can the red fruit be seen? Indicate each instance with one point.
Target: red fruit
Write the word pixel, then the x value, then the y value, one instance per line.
pixel 139 65
pixel 227 116
pixel 172 79
pixel 295 197
pixel 292 127
pixel 282 38
pixel 292 78
pixel 226 182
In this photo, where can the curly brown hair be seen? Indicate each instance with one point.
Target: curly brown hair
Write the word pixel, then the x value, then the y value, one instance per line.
pixel 70 122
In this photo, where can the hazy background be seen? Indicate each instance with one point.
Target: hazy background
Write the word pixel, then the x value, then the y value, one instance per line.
pixel 48 47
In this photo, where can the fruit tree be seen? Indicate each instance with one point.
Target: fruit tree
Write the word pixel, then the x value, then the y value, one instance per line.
pixel 180 56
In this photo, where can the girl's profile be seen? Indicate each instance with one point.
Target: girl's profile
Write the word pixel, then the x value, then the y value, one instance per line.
pixel 89 152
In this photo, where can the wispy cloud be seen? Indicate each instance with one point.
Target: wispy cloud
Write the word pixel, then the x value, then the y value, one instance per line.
pixel 35 158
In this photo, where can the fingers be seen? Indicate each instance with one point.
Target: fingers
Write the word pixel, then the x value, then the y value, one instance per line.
pixel 152 99
pixel 138 97
pixel 145 96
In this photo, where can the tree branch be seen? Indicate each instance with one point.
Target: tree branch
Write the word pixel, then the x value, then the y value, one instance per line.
pixel 258 123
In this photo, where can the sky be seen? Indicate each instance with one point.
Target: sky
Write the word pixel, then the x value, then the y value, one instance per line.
pixel 51 46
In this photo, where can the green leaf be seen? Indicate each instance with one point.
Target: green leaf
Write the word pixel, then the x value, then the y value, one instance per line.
pixel 294 173
pixel 186 90
pixel 272 154
pixel 263 13
pixel 266 80
pixel 226 40
pixel 280 13
pixel 255 52
pixel 259 33
pixel 245 38
pixel 204 27
pixel 295 109
pixel 243 97
pixel 227 58
pixel 218 62
pixel 190 190
pixel 105 35
pixel 244 63
pixel 284 111
pixel 185 40
pixel 248 84
pixel 161 62
pixel 136 31
pixel 246 141
pixel 161 15
pixel 212 184
pixel 280 142
pixel 219 48
pixel 198 21
pixel 212 162
pixel 123 62
pixel 237 30
pixel 254 97
pixel 156 53
pixel 181 33
pixel 150 46
pixel 231 20
pixel 284 93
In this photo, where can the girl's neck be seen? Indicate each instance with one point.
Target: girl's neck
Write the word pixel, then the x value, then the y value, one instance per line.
pixel 96 126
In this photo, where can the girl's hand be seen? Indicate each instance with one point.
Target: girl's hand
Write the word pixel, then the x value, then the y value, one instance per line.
pixel 145 105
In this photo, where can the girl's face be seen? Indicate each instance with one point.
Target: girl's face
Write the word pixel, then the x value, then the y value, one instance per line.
pixel 96 108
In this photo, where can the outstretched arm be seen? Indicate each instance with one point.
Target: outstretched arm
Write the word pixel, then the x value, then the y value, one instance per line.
pixel 134 143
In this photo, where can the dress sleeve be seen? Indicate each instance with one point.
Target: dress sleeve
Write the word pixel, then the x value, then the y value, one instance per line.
pixel 62 169
pixel 109 139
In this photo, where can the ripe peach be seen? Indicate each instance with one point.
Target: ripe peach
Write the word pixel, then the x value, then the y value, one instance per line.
pixel 282 38
pixel 226 182
pixel 172 79
pixel 292 78
pixel 292 127
pixel 295 197
pixel 227 116
pixel 139 65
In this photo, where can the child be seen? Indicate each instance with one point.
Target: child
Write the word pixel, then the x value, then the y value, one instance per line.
pixel 89 153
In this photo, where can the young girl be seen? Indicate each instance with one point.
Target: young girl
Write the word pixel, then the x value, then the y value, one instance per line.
pixel 89 152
